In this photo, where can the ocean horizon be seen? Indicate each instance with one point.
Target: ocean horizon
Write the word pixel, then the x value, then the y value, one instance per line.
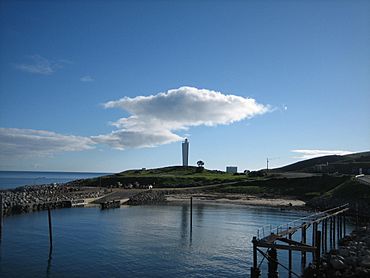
pixel 13 179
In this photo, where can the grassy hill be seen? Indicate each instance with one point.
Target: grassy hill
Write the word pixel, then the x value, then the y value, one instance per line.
pixel 351 187
pixel 346 164
pixel 173 176
pixel 301 188
pixel 350 191
pixel 319 190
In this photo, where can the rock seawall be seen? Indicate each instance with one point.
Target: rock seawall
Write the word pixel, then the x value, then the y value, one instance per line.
pixel 147 197
pixel 351 259
pixel 39 197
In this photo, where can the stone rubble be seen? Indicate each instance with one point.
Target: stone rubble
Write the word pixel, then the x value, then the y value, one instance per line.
pixel 147 197
pixel 39 197
pixel 351 259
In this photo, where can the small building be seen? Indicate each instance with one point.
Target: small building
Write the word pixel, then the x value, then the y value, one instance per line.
pixel 321 168
pixel 231 169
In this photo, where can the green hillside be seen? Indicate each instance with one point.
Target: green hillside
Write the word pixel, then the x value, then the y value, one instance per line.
pixel 346 164
pixel 350 191
pixel 317 190
pixel 174 176
pixel 302 188
pixel 352 188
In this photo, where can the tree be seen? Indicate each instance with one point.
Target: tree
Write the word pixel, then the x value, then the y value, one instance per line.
pixel 200 168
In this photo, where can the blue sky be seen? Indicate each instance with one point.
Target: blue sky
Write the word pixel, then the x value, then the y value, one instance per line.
pixel 306 65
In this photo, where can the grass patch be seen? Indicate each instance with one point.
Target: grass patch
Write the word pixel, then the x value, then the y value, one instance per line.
pixel 303 188
pixel 175 176
pixel 241 189
pixel 352 189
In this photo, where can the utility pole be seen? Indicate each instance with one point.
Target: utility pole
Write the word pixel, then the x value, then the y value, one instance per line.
pixel 267 163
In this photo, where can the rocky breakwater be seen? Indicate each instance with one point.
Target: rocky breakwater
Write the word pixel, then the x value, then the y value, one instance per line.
pixel 351 259
pixel 39 197
pixel 147 197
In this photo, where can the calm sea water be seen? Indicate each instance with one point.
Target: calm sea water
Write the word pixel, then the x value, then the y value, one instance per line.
pixel 142 241
pixel 12 179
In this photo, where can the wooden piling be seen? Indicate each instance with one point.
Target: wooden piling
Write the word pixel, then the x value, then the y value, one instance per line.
pixel 303 253
pixel 338 228
pixel 50 229
pixel 344 225
pixel 325 243
pixel 255 272
pixel 334 224
pixel 191 213
pixel 357 216
pixel 322 236
pixel 331 233
pixel 318 247
pixel 272 263
pixel 290 256
pixel 1 214
pixel 314 240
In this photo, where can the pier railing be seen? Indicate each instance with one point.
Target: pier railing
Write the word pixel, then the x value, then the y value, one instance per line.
pixel 328 227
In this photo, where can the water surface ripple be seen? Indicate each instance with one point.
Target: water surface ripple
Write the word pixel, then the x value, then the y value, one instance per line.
pixel 142 241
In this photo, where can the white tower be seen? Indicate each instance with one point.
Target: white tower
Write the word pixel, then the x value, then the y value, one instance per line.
pixel 185 153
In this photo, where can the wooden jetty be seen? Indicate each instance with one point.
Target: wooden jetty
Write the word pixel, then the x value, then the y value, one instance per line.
pixel 110 204
pixel 328 227
pixel 78 203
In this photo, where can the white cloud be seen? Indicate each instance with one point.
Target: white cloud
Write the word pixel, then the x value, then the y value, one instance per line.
pixel 86 78
pixel 122 139
pixel 154 118
pixel 39 65
pixel 15 142
pixel 307 154
pixel 154 121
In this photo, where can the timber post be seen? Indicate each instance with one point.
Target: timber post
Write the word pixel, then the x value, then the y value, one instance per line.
pixel 322 236
pixel 290 256
pixel 325 243
pixel 344 224
pixel 314 240
pixel 191 213
pixel 318 246
pixel 331 233
pixel 272 263
pixel 338 227
pixel 50 229
pixel 334 224
pixel 255 272
pixel 303 253
pixel 1 215
pixel 357 222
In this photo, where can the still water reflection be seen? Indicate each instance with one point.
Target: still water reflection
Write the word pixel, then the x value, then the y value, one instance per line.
pixel 141 241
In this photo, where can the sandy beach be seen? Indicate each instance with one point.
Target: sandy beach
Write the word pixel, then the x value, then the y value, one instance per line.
pixel 237 199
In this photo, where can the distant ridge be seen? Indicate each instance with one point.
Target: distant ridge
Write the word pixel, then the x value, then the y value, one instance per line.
pixel 171 176
pixel 346 164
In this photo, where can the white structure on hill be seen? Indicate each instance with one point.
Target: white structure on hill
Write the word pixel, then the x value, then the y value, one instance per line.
pixel 231 169
pixel 185 153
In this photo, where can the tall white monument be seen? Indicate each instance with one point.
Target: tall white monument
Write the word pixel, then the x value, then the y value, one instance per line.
pixel 185 153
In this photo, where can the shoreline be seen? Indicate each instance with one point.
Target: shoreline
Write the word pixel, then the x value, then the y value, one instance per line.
pixel 34 198
pixel 239 199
